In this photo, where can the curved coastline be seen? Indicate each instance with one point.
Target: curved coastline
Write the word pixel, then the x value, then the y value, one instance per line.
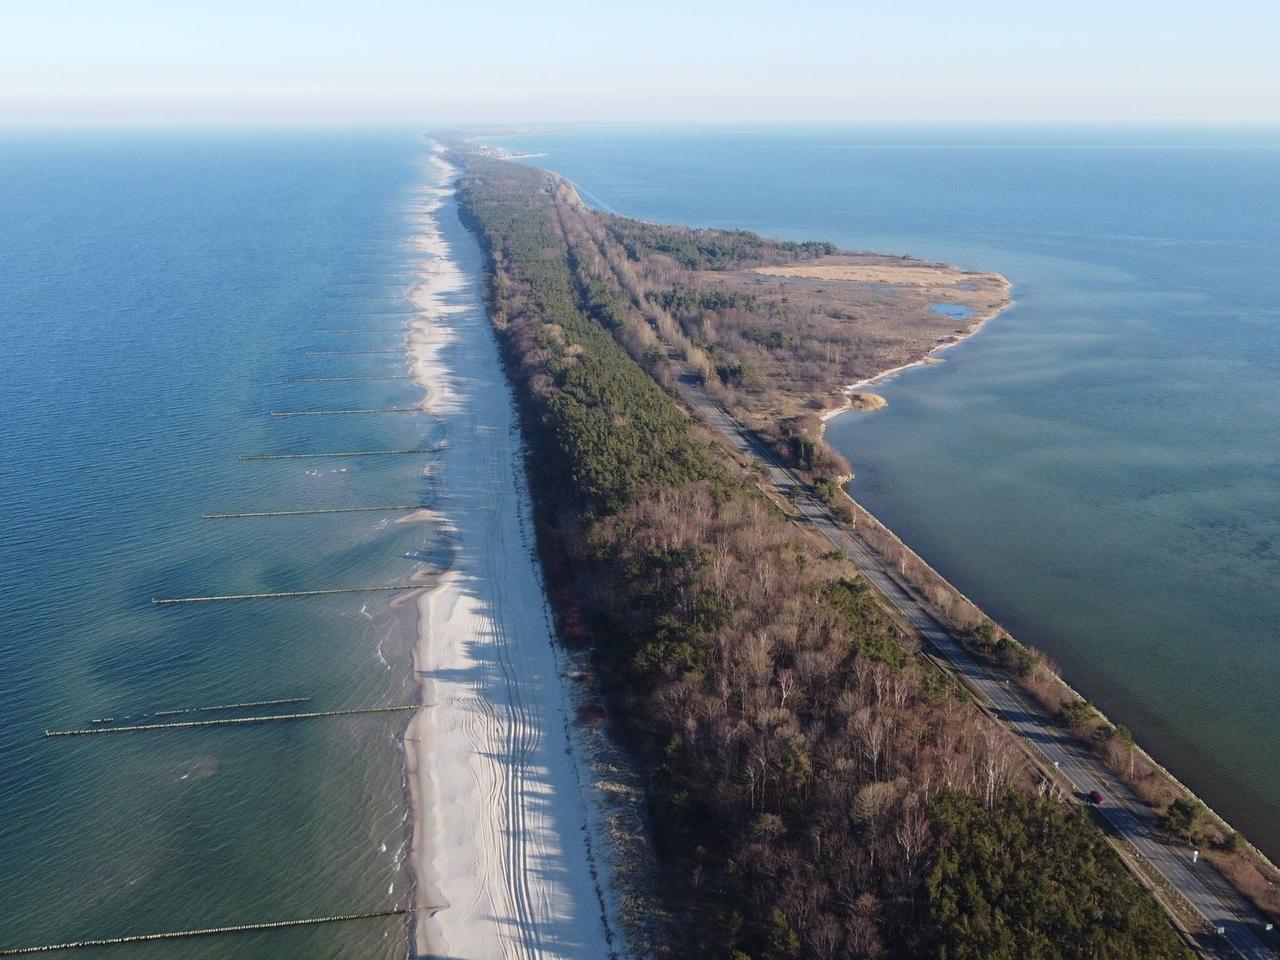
pixel 874 401
pixel 860 398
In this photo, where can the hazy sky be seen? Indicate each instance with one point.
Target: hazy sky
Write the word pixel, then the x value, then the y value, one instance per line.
pixel 145 62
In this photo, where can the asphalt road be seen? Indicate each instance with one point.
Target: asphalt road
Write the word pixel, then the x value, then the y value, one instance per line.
pixel 1239 927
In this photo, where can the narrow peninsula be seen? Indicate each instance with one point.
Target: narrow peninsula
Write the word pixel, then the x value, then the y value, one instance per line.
pixel 838 756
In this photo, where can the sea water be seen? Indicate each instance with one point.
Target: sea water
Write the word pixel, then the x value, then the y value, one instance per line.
pixel 1100 467
pixel 157 297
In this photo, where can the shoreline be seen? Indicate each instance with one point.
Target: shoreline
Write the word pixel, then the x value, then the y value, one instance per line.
pixel 919 572
pixel 506 839
pixel 875 401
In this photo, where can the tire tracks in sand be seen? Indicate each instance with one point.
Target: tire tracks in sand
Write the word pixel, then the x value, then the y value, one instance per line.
pixel 499 830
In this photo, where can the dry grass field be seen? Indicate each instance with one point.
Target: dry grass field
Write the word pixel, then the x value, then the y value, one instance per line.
pixel 812 330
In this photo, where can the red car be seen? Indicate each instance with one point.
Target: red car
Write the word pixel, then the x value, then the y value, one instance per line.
pixel 1095 798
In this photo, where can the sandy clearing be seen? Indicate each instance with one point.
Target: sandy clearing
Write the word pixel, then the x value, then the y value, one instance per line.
pixel 503 828
pixel 903 275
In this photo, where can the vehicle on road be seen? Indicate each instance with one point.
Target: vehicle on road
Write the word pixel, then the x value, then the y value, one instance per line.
pixel 1096 798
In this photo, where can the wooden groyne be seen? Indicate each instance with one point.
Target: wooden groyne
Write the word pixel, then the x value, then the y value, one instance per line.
pixel 394 508
pixel 217 706
pixel 341 453
pixel 170 601
pixel 209 931
pixel 408 313
pixel 227 721
pixel 352 353
pixel 343 413
pixel 379 281
pixel 341 379
pixel 361 330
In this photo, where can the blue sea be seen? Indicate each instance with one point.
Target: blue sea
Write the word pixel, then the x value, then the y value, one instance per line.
pixel 159 296
pixel 1099 468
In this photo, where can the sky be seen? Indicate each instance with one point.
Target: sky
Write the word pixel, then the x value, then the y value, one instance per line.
pixel 144 63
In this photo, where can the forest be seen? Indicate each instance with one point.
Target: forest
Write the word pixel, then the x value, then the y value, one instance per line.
pixel 816 788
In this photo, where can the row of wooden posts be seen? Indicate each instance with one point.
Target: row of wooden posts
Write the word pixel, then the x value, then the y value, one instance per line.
pixel 213 931
pixel 215 707
pixel 103 725
pixel 226 721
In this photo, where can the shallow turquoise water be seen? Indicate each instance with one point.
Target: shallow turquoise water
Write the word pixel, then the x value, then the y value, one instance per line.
pixel 157 296
pixel 1100 467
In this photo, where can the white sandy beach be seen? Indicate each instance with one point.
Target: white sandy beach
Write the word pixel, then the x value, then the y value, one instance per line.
pixel 502 832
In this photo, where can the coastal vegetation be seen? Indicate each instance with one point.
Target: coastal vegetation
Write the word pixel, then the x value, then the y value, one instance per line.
pixel 1248 870
pixel 781 330
pixel 990 898
pixel 817 789
pixel 777 331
